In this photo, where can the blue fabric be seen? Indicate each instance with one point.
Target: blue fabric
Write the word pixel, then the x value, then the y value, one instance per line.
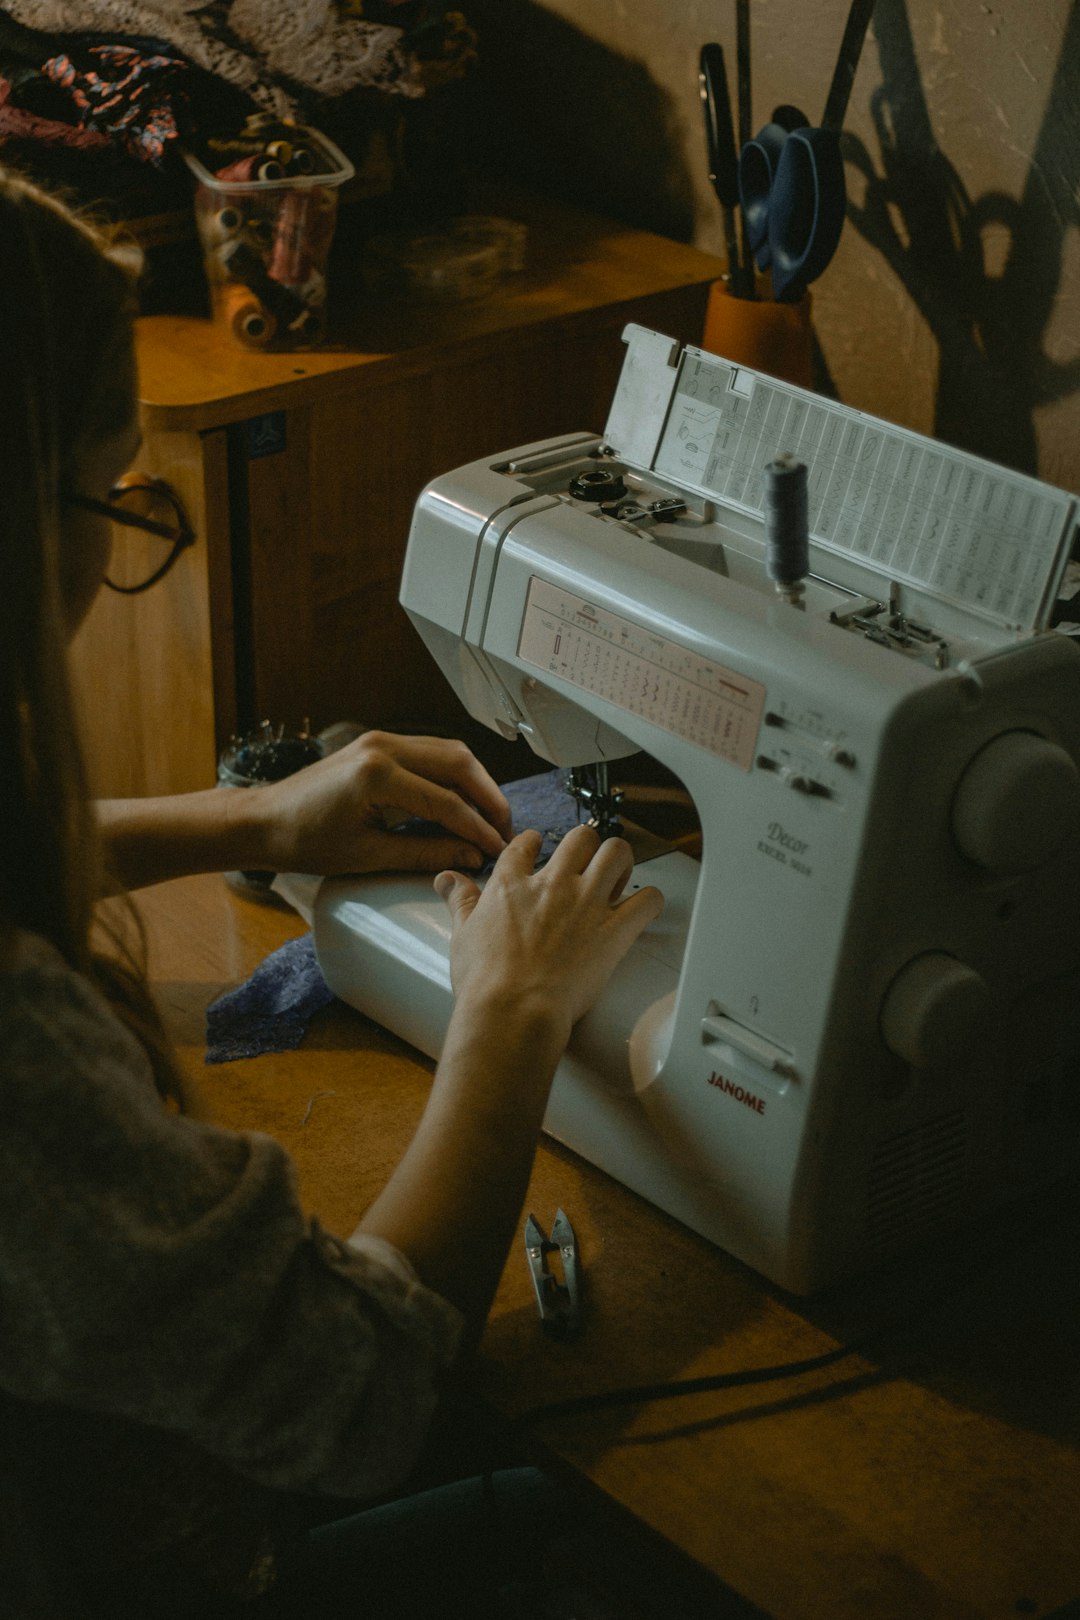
pixel 535 801
pixel 271 1011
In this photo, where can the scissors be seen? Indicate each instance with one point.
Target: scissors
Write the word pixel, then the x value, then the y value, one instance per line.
pixel 559 1302
pixel 791 180
pixel 723 160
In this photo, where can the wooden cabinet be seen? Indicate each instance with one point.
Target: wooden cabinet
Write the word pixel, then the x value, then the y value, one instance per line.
pixel 300 473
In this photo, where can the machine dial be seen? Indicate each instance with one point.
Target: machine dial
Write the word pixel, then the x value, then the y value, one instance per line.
pixel 1016 803
pixel 933 1011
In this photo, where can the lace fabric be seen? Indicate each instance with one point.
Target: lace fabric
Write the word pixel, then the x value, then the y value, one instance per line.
pixel 259 46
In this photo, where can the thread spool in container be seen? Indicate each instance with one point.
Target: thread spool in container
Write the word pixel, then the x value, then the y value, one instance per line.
pixel 242 264
pixel 242 169
pixel 302 237
pixel 234 145
pixel 308 326
pixel 259 229
pixel 246 317
pixel 225 224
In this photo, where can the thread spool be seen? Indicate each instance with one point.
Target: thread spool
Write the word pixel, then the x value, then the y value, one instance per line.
pixel 302 161
pixel 787 531
pixel 308 326
pixel 292 257
pixel 313 290
pixel 249 321
pixel 234 146
pixel 242 169
pixel 222 227
pixel 242 264
pixel 259 229
pixel 280 151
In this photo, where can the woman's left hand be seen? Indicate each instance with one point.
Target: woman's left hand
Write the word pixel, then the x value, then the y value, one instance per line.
pixel 343 813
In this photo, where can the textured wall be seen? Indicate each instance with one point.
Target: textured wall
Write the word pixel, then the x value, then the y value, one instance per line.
pixel 953 304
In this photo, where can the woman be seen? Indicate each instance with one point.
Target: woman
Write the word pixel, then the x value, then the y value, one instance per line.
pixel 183 1353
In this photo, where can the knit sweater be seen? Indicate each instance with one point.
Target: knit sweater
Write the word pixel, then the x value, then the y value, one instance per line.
pixel 169 1314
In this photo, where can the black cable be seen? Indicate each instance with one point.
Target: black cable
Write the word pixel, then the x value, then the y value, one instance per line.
pixel 638 1394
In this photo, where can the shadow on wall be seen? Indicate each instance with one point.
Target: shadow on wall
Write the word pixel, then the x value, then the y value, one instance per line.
pixel 564 114
pixel 994 372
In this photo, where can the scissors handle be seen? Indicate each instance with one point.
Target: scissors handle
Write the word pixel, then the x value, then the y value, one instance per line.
pixel 759 161
pixel 806 210
pixel 719 132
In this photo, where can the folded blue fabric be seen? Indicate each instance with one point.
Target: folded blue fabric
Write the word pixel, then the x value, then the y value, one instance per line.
pixel 270 1012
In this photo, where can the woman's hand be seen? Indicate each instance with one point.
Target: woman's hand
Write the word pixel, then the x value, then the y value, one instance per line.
pixel 339 814
pixel 545 941
pixel 529 955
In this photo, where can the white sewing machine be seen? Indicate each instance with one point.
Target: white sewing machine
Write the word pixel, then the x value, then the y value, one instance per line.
pixel 857 1021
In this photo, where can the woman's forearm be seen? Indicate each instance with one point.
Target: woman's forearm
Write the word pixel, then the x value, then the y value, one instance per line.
pixel 337 815
pixel 454 1200
pixel 529 956
pixel 150 840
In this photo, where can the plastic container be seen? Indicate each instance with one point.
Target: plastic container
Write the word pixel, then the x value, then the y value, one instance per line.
pixel 465 261
pixel 266 221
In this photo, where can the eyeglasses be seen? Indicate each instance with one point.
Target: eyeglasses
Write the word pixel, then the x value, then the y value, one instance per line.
pixel 149 512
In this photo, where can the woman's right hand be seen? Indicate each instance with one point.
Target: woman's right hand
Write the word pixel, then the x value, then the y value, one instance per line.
pixel 545 942
pixel 529 954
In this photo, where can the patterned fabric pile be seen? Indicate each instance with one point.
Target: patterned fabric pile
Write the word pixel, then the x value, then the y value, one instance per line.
pixel 88 86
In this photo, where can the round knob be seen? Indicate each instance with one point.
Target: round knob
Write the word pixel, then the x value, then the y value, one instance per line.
pixel 1016 803
pixel 933 1011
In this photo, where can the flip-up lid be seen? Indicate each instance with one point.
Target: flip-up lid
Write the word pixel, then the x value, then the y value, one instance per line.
pixel 885 504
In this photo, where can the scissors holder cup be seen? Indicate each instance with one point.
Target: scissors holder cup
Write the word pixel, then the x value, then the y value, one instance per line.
pixel 767 336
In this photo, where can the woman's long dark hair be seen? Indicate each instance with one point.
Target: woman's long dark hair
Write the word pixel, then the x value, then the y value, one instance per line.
pixel 67 303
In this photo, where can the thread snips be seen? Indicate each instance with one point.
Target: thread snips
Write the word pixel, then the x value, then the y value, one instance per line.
pixel 559 1301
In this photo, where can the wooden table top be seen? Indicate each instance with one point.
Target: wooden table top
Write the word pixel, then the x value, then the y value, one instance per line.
pixel 193 375
pixel 933 1475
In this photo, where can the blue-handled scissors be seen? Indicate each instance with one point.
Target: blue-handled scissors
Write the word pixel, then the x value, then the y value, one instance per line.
pixel 791 180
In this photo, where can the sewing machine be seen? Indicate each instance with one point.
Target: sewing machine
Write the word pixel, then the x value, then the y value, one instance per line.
pixel 855 1024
